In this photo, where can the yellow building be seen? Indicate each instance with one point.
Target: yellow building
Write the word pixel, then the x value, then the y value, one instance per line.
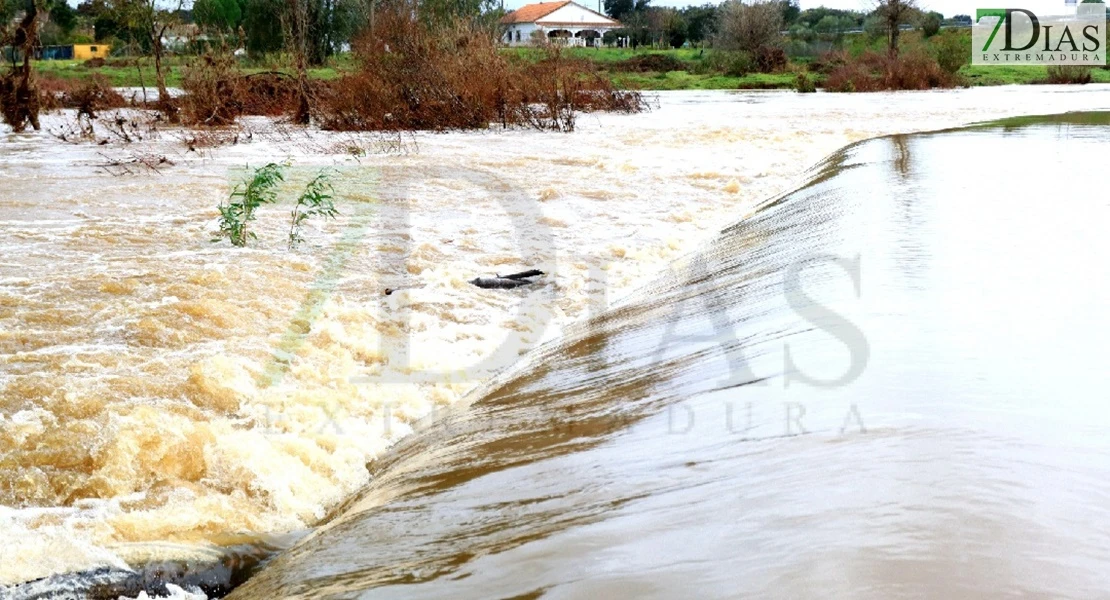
pixel 87 51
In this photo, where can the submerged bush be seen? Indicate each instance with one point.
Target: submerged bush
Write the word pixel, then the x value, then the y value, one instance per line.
pixel 88 96
pixel 1078 74
pixel 416 76
pixel 803 84
pixel 217 92
pixel 875 72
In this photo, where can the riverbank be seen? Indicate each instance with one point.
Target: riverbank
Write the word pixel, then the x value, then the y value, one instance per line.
pixel 162 388
pixel 689 72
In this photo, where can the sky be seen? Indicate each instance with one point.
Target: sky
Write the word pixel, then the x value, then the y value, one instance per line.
pixel 947 7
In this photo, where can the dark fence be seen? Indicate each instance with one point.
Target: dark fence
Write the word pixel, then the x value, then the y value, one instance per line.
pixel 10 54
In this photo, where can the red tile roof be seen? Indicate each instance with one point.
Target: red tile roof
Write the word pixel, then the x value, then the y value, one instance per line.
pixel 530 13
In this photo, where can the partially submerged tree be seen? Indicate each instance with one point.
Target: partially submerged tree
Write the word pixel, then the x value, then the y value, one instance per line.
pixel 296 22
pixel 19 97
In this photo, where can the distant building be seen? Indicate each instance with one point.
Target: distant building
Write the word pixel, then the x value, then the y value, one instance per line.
pixel 87 51
pixel 567 23
pixel 68 52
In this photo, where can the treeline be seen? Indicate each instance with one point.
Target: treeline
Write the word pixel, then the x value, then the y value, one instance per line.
pixel 258 26
pixel 417 66
pixel 646 25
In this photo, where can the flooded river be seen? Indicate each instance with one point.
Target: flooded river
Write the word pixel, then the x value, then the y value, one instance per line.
pixel 937 306
pixel 887 384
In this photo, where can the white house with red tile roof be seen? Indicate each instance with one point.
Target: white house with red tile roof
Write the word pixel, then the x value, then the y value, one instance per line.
pixel 565 22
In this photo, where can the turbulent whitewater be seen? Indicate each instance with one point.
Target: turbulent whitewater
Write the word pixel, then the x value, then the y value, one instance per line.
pixel 160 393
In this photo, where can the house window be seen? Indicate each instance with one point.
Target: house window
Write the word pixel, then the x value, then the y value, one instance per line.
pixel 518 35
pixel 92 48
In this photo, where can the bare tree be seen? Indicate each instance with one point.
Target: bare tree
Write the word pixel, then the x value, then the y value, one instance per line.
pixel 748 27
pixel 893 14
pixel 296 24
pixel 145 16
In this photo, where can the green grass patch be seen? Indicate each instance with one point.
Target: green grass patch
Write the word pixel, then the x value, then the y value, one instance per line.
pixel 607 55
pixel 1092 118
pixel 682 80
pixel 133 73
pixel 124 73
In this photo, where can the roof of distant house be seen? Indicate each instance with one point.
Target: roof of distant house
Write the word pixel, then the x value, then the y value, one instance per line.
pixel 530 13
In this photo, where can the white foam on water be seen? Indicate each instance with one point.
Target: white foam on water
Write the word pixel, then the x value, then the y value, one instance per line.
pixel 157 387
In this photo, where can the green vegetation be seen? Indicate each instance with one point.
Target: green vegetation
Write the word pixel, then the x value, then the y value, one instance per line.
pixel 238 211
pixel 1011 75
pixel 130 72
pixel 118 75
pixel 705 69
pixel 290 57
pixel 697 72
pixel 683 80
pixel 314 201
pixel 1094 118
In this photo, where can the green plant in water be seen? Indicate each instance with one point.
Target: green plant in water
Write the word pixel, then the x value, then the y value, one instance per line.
pixel 315 201
pixel 238 211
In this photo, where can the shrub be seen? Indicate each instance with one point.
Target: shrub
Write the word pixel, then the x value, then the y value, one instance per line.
pixel 1077 74
pixel 748 27
pixel 930 24
pixel 414 75
pixel 770 59
pixel 217 92
pixel 92 96
pixel 804 85
pixel 828 62
pixel 237 213
pixel 873 72
pixel 952 51
pixel 733 64
pixel 649 62
pixel 268 94
pixel 211 84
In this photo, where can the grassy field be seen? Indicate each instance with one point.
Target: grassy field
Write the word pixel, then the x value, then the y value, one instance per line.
pixel 137 72
pixel 691 78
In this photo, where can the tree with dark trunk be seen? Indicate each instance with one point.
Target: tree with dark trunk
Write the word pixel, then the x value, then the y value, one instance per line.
pixel 19 97
pixel 296 24
pixel 893 14
pixel 144 16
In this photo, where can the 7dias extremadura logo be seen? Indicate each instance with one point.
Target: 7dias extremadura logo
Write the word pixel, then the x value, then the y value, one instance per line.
pixel 1016 36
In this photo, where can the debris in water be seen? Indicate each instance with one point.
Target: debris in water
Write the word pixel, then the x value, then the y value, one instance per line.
pixel 507 282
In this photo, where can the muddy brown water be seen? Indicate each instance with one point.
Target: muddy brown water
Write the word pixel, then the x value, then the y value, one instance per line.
pixel 889 383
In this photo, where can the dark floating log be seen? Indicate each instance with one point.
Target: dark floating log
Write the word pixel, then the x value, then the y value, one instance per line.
pixel 523 274
pixel 503 283
pixel 507 282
